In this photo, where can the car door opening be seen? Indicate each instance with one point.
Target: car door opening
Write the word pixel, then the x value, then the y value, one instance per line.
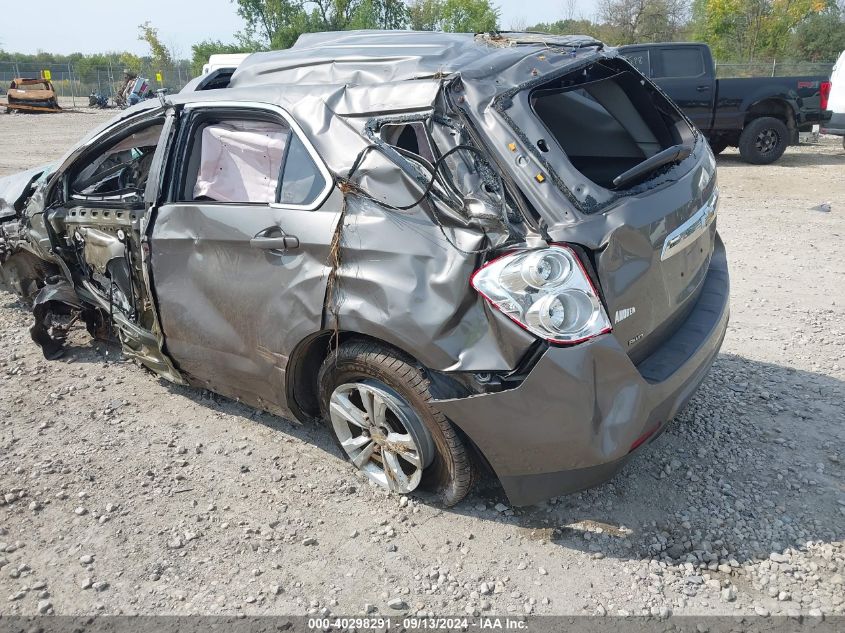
pixel 121 172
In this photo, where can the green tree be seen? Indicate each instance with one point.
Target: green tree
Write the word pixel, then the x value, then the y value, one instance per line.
pixel 634 21
pixel 160 54
pixel 469 16
pixel 749 30
pixel 379 14
pixel 574 27
pixel 201 51
pixel 820 37
pixel 278 23
pixel 129 61
pixel 454 16
pixel 424 15
pixel 786 16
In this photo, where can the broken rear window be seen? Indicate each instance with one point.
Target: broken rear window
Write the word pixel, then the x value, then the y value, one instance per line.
pixel 605 120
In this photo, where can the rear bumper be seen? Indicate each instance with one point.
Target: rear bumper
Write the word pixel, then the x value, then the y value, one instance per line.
pixel 580 413
pixel 836 125
pixel 806 120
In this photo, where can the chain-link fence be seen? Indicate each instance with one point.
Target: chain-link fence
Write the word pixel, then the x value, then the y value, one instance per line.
pixel 774 68
pixel 77 81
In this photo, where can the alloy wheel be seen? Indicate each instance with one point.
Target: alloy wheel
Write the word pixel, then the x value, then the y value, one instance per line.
pixel 766 141
pixel 382 435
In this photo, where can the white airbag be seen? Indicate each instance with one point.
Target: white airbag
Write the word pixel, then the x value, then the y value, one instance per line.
pixel 240 161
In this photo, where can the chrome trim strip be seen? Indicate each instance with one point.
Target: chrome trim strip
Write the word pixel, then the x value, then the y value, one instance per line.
pixel 692 229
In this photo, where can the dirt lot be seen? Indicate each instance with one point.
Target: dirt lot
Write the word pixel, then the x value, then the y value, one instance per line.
pixel 120 493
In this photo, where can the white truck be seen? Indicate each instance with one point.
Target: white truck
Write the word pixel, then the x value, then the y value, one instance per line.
pixel 217 72
pixel 836 101
pixel 223 60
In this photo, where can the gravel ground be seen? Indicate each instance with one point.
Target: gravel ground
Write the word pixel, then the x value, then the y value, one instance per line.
pixel 122 494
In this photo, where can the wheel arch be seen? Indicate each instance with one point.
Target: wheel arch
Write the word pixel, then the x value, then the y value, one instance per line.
pixel 301 389
pixel 306 359
pixel 775 107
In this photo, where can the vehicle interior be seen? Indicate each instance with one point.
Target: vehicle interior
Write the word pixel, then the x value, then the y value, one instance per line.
pixel 607 120
pixel 244 158
pixel 120 171
pixel 235 161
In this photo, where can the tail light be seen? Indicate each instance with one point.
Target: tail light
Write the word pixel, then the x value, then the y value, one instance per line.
pixel 825 94
pixel 547 292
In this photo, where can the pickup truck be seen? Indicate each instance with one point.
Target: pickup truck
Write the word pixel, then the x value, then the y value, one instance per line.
pixel 759 115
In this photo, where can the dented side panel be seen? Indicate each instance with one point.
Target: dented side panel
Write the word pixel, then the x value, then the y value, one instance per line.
pixel 232 313
pixel 582 410
pixel 402 281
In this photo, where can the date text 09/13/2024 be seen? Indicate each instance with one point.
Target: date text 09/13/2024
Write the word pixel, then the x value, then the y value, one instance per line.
pixel 418 623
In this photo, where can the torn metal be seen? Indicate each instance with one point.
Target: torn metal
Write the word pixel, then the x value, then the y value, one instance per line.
pixel 415 190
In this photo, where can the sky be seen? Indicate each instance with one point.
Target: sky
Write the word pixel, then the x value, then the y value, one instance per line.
pixel 93 26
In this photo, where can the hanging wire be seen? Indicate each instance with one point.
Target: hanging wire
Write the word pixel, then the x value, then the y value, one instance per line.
pixel 434 169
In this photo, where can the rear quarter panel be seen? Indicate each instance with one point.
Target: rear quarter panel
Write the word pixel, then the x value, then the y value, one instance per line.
pixel 736 96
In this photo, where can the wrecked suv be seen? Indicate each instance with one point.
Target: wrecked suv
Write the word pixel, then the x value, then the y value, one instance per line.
pixel 462 252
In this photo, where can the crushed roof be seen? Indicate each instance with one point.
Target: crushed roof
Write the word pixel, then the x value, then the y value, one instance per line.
pixel 372 57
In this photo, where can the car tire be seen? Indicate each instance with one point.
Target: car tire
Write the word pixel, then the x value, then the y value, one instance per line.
pixel 359 369
pixel 718 146
pixel 763 141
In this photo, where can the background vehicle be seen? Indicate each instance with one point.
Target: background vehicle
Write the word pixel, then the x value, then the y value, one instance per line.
pixel 759 115
pixel 216 73
pixel 32 95
pixel 133 90
pixel 836 101
pixel 223 60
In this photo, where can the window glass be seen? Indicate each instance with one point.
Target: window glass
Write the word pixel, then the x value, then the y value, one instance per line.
pixel 638 59
pixel 302 181
pixel 237 161
pixel 122 169
pixel 680 62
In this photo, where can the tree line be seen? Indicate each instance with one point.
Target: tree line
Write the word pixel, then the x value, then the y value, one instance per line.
pixel 86 67
pixel 739 31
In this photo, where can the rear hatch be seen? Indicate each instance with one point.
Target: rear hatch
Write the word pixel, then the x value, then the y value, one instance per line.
pixel 642 181
pixel 652 263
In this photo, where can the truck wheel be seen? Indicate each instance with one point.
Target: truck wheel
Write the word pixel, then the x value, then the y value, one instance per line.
pixel 377 405
pixel 763 141
pixel 718 146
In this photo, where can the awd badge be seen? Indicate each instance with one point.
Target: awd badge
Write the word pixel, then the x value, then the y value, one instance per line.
pixel 623 314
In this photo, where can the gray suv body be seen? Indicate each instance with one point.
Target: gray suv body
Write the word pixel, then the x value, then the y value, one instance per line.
pixel 462 252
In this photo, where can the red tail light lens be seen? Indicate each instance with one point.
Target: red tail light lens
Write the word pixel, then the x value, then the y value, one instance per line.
pixel 825 94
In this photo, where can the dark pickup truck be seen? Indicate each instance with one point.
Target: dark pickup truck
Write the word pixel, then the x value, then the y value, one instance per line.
pixel 759 115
